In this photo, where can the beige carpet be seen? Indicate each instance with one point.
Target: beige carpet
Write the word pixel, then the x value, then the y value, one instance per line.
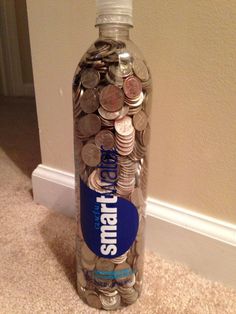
pixel 37 272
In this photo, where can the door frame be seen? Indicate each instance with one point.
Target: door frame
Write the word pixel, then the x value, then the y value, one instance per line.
pixel 11 61
pixel 3 82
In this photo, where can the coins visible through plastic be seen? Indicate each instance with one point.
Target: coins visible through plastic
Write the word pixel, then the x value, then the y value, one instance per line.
pixel 140 69
pixel 124 126
pixel 93 300
pixel 140 121
pixel 132 87
pixel 91 155
pixel 89 102
pixel 90 78
pixel 105 139
pixel 111 94
pixel 112 98
pixel 89 125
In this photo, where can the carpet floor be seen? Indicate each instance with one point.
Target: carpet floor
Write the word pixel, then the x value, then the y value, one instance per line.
pixel 37 269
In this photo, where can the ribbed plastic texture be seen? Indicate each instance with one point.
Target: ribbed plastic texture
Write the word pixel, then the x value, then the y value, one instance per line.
pixel 114 11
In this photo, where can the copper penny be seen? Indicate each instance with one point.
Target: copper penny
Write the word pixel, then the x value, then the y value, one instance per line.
pixel 105 139
pixel 90 78
pixel 89 125
pixel 132 87
pixel 140 120
pixel 91 155
pixel 89 101
pixel 124 126
pixel 111 98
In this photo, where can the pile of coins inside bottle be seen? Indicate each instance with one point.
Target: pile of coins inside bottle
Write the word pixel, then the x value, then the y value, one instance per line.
pixel 111 95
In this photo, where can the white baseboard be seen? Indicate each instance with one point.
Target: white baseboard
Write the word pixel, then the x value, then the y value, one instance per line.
pixel 205 244
pixel 54 189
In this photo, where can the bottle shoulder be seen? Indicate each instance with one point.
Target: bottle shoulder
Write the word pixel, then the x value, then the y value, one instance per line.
pixel 115 59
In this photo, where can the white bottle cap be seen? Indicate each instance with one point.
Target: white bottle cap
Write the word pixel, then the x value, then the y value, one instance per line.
pixel 114 11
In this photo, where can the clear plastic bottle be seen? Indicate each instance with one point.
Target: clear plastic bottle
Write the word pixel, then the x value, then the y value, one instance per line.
pixel 112 98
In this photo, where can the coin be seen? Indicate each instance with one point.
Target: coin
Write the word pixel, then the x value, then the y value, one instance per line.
pixel 109 293
pixel 120 259
pixel 123 112
pixel 86 265
pixel 146 136
pixel 140 69
pixel 110 303
pixel 104 265
pixel 124 126
pixel 136 102
pixel 140 120
pixel 93 300
pixel 137 197
pixel 90 78
pixel 89 125
pixel 89 102
pixel 129 297
pixel 132 87
pixel 111 98
pixel 81 279
pixel 107 114
pixel 87 254
pixel 105 139
pixel 91 155
pixel 125 272
pixel 112 95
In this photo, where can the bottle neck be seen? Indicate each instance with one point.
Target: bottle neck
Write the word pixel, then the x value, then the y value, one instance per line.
pixel 114 31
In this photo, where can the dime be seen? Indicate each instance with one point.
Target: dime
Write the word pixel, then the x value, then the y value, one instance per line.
pixel 140 120
pixel 89 125
pixel 90 78
pixel 89 101
pixel 140 69
pixel 105 139
pixel 124 126
pixel 132 87
pixel 111 98
pixel 91 155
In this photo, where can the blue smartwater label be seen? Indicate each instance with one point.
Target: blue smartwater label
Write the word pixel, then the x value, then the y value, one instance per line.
pixel 109 223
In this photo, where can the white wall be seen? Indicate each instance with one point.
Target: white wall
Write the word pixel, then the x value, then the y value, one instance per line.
pixel 190 47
